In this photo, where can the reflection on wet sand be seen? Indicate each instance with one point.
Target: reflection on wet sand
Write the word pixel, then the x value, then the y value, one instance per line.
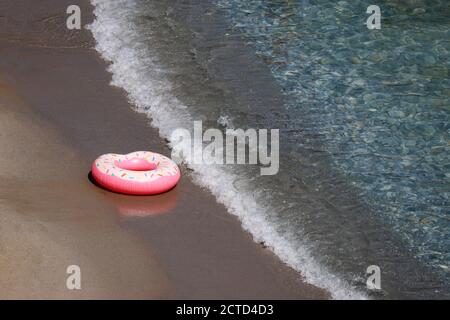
pixel 140 206
pixel 144 206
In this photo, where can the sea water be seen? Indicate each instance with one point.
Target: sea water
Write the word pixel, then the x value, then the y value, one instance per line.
pixel 363 118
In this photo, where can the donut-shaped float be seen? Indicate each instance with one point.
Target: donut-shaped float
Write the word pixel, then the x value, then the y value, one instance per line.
pixel 136 173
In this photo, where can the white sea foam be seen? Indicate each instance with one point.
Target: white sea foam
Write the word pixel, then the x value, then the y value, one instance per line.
pixel 135 68
pixel 225 121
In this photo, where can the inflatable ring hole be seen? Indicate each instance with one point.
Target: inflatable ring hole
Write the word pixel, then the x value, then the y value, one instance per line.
pixel 135 164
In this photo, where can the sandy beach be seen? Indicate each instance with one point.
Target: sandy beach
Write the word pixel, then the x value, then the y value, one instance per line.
pixel 58 113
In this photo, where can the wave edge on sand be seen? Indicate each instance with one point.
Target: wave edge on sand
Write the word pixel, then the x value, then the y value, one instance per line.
pixel 135 69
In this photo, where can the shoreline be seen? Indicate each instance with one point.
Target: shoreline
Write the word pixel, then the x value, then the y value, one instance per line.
pixel 199 249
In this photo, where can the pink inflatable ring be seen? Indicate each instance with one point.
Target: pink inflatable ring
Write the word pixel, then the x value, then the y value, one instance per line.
pixel 137 173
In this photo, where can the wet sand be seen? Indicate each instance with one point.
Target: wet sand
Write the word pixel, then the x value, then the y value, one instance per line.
pixel 51 217
pixel 58 113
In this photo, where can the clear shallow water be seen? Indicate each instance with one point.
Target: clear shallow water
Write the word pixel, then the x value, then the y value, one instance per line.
pixel 338 202
pixel 379 99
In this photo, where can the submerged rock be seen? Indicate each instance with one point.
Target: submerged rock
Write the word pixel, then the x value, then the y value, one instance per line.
pixel 436 72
